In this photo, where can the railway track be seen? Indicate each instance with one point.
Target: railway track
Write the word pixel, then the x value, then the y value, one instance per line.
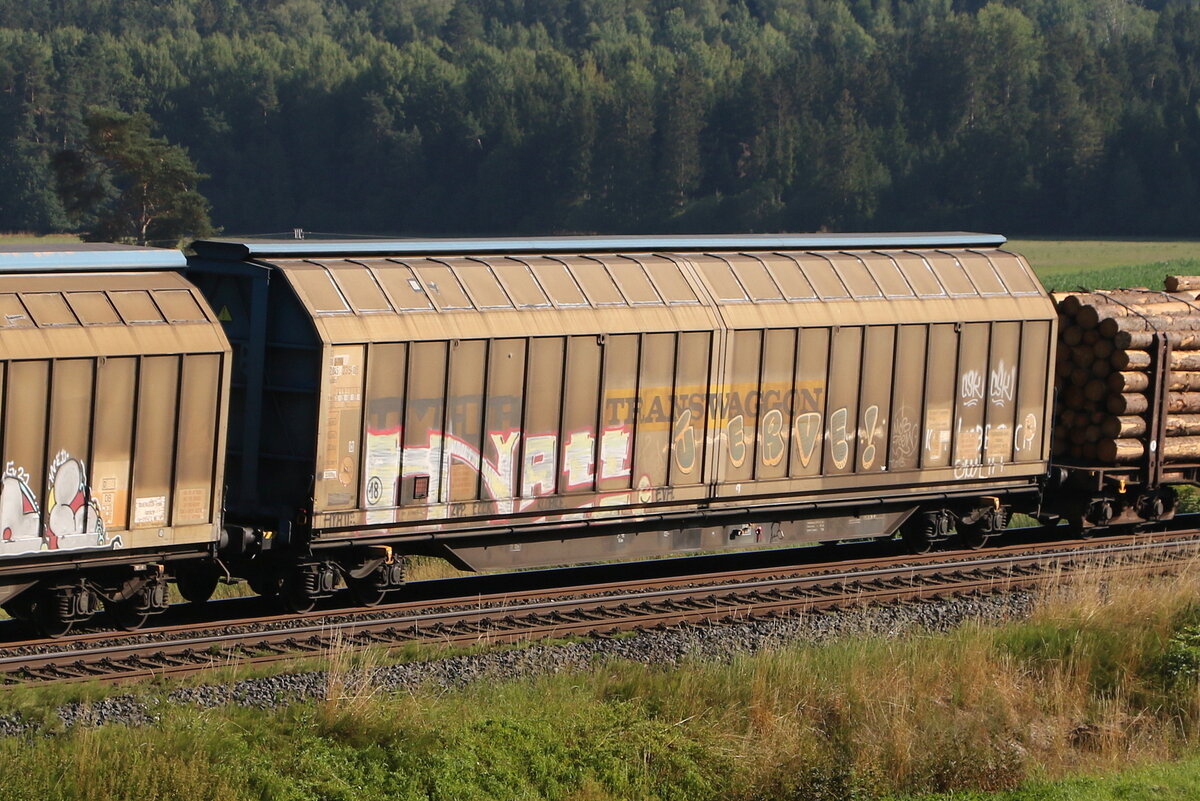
pixel 593 610
pixel 560 583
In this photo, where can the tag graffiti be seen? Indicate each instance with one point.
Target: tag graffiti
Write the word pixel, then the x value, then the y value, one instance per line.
pixel 972 387
pixel 1004 381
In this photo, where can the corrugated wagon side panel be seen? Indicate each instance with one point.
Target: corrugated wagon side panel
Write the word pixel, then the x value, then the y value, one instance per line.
pixel 112 439
pixel 387 368
pixel 971 404
pixel 25 411
pixel 580 396
pixel 617 412
pixel 875 398
pixel 908 398
pixel 154 441
pixel 940 392
pixel 812 375
pixel 463 436
pixel 775 399
pixel 502 418
pixel 1003 366
pixel 1033 393
pixel 199 408
pixel 655 403
pixel 424 421
pixel 543 413
pixel 739 416
pixel 688 435
pixel 340 425
pixel 68 517
pixel 845 373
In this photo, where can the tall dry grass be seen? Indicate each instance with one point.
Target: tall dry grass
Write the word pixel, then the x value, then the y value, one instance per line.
pixel 1076 687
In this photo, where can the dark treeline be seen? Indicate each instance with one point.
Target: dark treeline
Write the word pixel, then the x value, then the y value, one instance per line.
pixel 521 116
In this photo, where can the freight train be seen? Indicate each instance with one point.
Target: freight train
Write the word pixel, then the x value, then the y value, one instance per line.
pixel 303 415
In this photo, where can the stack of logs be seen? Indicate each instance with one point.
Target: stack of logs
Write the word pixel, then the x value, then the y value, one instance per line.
pixel 1102 372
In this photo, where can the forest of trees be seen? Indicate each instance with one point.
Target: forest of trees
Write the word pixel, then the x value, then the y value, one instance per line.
pixel 543 116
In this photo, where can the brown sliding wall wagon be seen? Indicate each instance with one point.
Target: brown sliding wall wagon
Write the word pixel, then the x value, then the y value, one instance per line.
pixel 113 377
pixel 521 402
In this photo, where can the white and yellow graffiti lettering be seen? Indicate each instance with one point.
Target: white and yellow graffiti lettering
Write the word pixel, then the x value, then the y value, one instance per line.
pixel 685 442
pixel 538 471
pixel 807 429
pixel 773 445
pixel 736 436
pixel 839 439
pixel 870 424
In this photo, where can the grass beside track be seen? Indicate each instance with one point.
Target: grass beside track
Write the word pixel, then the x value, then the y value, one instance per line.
pixel 1052 256
pixel 1102 679
pixel 1108 264
pixel 20 238
pixel 1178 781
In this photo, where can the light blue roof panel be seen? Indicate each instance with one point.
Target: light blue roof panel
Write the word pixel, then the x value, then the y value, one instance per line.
pixel 233 250
pixel 86 257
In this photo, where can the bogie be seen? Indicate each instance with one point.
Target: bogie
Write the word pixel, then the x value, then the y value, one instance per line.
pixel 369 587
pixel 139 598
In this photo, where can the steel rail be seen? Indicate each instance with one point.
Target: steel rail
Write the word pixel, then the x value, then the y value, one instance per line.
pixel 602 615
pixel 579 588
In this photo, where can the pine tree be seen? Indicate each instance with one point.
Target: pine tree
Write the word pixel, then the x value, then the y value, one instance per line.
pixel 127 185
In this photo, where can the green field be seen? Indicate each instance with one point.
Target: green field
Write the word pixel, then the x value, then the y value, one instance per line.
pixel 35 239
pixel 1176 781
pixel 1107 263
pixel 1054 256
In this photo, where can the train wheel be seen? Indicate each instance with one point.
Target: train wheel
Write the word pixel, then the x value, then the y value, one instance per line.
pixel 922 530
pixel 366 591
pixel 196 586
pixel 21 607
pixel 1092 520
pixel 45 612
pixel 919 534
pixel 267 584
pixel 973 535
pixel 126 615
pixel 295 592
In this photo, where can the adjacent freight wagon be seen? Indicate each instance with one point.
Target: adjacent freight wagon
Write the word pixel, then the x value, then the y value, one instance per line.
pixel 514 402
pixel 113 376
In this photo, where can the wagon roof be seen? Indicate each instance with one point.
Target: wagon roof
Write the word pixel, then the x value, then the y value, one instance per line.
pixel 82 314
pixel 79 257
pixel 235 250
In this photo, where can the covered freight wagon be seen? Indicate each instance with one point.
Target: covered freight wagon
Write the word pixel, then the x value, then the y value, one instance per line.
pixel 112 401
pixel 511 402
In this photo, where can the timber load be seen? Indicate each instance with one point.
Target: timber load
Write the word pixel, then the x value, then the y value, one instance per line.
pixel 1109 382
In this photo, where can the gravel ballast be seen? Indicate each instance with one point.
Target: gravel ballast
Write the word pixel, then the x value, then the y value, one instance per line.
pixel 664 649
